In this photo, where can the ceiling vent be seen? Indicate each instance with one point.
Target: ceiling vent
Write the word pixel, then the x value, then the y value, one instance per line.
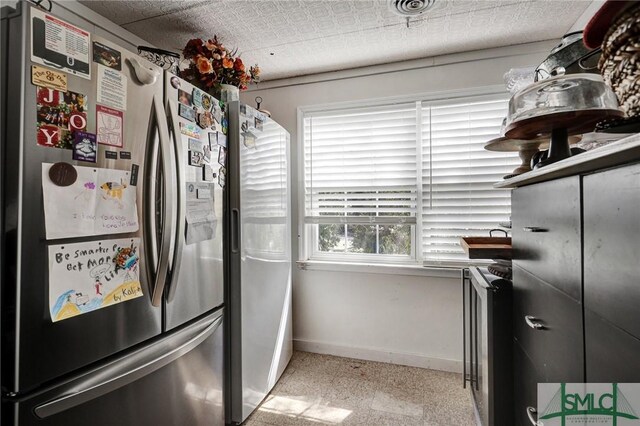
pixel 409 8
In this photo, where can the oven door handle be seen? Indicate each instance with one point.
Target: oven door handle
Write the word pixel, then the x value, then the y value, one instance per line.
pixel 464 329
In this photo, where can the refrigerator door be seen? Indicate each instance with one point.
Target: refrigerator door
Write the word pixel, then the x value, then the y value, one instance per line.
pixel 176 380
pixel 197 275
pixel 35 349
pixel 260 271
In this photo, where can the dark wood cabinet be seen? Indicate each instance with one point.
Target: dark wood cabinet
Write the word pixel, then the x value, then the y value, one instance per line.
pixel 548 326
pixel 612 355
pixel 576 295
pixel 612 246
pixel 525 387
pixel 546 233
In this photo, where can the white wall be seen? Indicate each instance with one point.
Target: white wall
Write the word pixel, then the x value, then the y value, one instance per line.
pixel 413 320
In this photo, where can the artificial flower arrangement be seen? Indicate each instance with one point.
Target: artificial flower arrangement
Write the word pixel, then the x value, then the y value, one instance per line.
pixel 211 64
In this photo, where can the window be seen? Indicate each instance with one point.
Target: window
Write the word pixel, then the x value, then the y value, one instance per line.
pixel 403 182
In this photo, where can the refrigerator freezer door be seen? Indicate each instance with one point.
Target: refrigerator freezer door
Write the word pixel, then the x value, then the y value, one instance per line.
pixel 260 271
pixel 196 283
pixel 177 380
pixel 43 349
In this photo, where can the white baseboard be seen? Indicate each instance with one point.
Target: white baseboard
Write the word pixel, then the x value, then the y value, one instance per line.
pixel 370 354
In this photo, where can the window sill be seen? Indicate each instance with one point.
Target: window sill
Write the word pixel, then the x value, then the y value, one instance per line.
pixel 372 268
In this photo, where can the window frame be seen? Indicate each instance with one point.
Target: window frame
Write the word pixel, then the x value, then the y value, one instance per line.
pixel 308 232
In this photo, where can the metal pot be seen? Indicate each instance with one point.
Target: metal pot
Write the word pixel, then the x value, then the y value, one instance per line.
pixel 571 56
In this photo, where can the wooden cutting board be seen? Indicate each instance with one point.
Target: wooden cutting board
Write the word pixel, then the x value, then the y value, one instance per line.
pixel 487 247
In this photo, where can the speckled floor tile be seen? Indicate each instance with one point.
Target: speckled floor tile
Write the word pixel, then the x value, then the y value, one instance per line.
pixel 398 400
pixel 452 406
pixel 350 393
pixel 285 409
pixel 379 418
pixel 252 422
pixel 408 377
pixel 362 370
pixel 448 415
pixel 305 383
pixel 320 389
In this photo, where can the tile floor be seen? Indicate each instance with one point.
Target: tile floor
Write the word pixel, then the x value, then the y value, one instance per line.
pixel 327 390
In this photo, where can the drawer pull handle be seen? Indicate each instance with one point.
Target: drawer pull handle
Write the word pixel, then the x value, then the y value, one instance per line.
pixel 531 322
pixel 530 413
pixel 533 229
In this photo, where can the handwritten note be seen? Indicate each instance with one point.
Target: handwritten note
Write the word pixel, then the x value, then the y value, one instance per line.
pixel 88 276
pixel 101 201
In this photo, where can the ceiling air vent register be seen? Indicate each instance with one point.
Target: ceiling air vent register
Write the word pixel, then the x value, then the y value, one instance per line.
pixel 409 8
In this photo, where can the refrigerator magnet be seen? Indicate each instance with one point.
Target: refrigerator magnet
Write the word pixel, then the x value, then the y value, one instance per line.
pixel 50 79
pixel 186 112
pixel 189 129
pixel 185 98
pixel 196 158
pixel 249 140
pixel 206 151
pixel 196 97
pixel 222 140
pixel 216 126
pixel 213 139
pixel 222 176
pixel 63 174
pixel 217 111
pixel 195 145
pixel 107 56
pixel 85 147
pixel 58 115
pixel 243 109
pixel 134 175
pixel 222 156
pixel 206 102
pixel 58 43
pixel 125 155
pixel 258 123
pixel 225 125
pixel 175 82
pixel 203 193
pixel 111 155
pixel 207 173
pixel 109 126
pixel 205 119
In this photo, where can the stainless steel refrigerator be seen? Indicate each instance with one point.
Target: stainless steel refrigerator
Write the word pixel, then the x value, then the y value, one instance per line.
pixel 152 360
pixel 259 291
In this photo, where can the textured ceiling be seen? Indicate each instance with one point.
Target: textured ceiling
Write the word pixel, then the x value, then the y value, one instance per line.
pixel 297 37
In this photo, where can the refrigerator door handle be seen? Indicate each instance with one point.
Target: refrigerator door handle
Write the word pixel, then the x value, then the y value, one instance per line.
pixel 130 368
pixel 160 263
pixel 235 230
pixel 181 202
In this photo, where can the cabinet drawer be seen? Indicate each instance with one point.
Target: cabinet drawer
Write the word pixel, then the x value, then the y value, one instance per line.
pixel 612 247
pixel 546 232
pixel 525 385
pixel 556 347
pixel 612 355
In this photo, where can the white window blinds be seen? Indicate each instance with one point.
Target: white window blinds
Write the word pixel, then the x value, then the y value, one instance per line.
pixel 360 165
pixel 421 163
pixel 458 174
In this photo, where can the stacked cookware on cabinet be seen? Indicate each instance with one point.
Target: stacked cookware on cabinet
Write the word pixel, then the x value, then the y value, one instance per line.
pixel 565 100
